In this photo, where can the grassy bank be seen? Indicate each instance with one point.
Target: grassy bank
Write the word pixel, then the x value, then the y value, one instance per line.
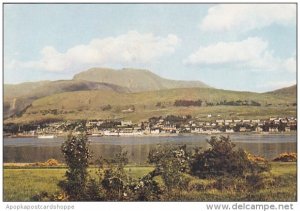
pixel 22 183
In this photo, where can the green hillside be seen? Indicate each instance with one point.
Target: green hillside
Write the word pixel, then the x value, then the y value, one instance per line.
pixel 287 91
pixel 137 80
pixel 107 104
pixel 18 97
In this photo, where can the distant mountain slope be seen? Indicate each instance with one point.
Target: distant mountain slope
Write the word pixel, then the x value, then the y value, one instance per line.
pixel 18 97
pixel 287 91
pixel 136 80
pixel 106 104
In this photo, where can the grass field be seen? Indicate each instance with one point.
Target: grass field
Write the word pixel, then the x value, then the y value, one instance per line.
pixel 23 182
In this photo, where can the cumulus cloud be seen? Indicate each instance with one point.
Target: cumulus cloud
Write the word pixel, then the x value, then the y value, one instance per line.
pixel 251 53
pixel 130 48
pixel 245 17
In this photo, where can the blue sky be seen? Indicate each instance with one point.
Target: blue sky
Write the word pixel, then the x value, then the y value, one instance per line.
pixel 230 46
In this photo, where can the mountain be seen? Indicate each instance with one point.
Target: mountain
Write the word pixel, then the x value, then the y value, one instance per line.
pixel 107 94
pixel 136 80
pixel 18 97
pixel 108 104
pixel 287 91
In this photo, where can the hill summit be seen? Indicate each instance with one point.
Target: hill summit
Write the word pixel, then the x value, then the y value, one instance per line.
pixel 286 91
pixel 136 80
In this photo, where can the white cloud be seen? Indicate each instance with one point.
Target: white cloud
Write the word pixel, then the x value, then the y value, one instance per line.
pixel 245 17
pixel 130 48
pixel 251 54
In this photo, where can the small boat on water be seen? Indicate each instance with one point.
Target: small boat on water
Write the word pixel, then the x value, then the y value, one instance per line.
pixel 46 136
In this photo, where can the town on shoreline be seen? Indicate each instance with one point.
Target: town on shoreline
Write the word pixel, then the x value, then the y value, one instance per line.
pixel 156 126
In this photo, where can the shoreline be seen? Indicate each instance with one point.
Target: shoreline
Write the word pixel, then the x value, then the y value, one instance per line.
pixel 27 165
pixel 166 135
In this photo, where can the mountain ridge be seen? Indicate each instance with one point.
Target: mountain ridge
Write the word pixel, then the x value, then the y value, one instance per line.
pixel 290 90
pixel 18 97
pixel 137 80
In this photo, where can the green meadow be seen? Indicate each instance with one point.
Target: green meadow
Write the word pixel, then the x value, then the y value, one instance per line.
pixel 21 183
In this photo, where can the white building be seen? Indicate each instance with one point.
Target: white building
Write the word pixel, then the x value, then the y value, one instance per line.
pixel 126 123
pixel 229 131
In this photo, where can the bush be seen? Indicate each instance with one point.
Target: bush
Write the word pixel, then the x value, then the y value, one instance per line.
pixel 52 162
pixel 49 162
pixel 200 184
pixel 170 163
pixel 45 196
pixel 146 189
pixel 106 107
pixel 259 181
pixel 254 158
pixel 221 159
pixel 116 185
pixel 231 184
pixel 286 157
pixel 114 180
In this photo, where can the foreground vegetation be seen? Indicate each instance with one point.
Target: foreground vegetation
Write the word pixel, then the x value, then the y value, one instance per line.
pixel 220 173
pixel 20 184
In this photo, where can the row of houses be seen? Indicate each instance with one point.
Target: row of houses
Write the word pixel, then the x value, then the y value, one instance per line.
pixel 183 125
pixel 170 125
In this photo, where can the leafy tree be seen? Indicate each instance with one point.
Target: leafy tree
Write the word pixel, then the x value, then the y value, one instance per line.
pixel 76 155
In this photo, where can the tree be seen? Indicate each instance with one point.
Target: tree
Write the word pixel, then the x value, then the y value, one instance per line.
pixel 76 155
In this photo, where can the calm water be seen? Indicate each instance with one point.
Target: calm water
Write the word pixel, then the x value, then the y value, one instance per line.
pixel 33 149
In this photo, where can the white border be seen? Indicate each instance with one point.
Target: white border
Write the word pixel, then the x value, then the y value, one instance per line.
pixel 141 206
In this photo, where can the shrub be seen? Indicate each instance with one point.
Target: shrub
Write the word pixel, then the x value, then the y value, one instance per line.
pixel 187 103
pixel 255 158
pixel 106 107
pixel 221 159
pixel 286 157
pixel 230 184
pixel 259 181
pixel 94 191
pixel 45 196
pixel 116 185
pixel 170 163
pixel 200 184
pixel 49 162
pixel 52 162
pixel 146 189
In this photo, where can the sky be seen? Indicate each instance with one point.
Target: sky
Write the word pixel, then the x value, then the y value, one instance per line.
pixel 245 47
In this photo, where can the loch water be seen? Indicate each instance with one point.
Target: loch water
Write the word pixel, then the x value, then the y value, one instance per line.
pixel 25 150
